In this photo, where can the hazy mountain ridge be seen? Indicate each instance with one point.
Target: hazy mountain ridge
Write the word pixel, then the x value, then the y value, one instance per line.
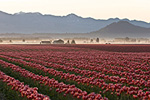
pixel 123 29
pixel 39 23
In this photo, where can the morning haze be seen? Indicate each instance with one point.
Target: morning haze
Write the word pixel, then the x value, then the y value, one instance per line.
pixel 81 20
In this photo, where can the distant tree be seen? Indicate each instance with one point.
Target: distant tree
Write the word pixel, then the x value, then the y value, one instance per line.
pixel 97 39
pixel 91 40
pixel 139 41
pixel 23 40
pixel 68 42
pixel 10 40
pixel 1 40
pixel 73 42
pixel 127 39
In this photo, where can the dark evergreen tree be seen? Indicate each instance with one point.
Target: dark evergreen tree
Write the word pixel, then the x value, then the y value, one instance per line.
pixel 97 39
pixel 68 42
pixel 73 42
pixel 23 40
pixel 91 40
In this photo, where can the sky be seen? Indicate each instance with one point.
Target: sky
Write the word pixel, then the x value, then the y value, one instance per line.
pixel 98 9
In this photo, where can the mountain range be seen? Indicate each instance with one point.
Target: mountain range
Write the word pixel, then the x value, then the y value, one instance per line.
pixel 38 23
pixel 123 29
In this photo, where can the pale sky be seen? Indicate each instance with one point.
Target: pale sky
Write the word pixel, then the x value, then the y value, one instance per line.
pixel 99 9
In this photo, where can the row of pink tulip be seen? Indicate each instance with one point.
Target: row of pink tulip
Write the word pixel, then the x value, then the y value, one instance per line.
pixel 94 74
pixel 25 90
pixel 127 63
pixel 95 82
pixel 105 68
pixel 61 87
pixel 122 59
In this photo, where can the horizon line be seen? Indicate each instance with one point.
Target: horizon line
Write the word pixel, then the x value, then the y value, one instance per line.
pixel 76 15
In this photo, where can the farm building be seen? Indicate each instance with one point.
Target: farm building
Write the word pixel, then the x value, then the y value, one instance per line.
pixel 45 42
pixel 58 41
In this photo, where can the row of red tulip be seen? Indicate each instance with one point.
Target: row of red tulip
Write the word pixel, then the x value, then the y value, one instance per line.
pixel 100 69
pixel 20 48
pixel 113 47
pixel 25 90
pixel 105 68
pixel 94 74
pixel 122 59
pixel 127 63
pixel 136 63
pixel 61 87
pixel 97 82
pixel 95 57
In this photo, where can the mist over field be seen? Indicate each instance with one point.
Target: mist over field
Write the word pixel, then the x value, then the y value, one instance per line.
pixel 74 50
pixel 36 27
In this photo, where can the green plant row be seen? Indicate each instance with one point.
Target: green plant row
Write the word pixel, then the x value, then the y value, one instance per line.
pixel 84 87
pixel 6 92
pixel 51 92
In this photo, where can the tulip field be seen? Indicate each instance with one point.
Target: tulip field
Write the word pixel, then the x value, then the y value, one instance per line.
pixel 75 72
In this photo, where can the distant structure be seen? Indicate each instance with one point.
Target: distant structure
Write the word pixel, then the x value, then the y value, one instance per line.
pixel 131 40
pixel 143 40
pixel 91 40
pixel 58 41
pixel 126 39
pixel 108 43
pixel 45 42
pixel 23 40
pixel 97 40
pixel 73 42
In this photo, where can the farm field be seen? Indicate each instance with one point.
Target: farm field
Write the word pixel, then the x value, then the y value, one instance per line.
pixel 75 72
